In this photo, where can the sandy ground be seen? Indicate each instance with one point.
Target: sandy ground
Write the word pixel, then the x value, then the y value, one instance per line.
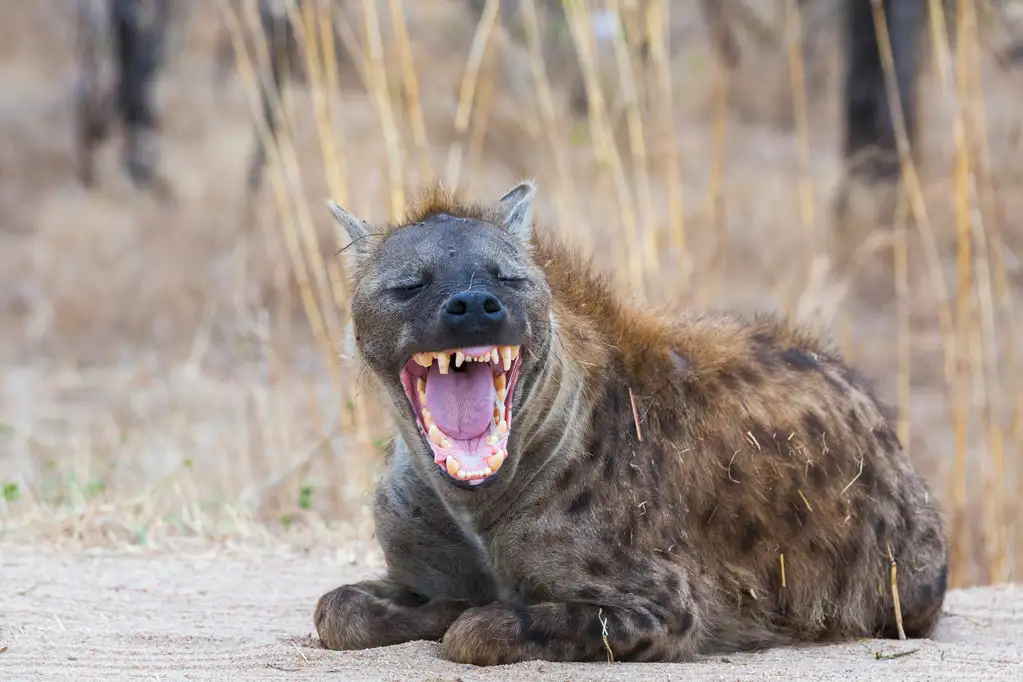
pixel 244 614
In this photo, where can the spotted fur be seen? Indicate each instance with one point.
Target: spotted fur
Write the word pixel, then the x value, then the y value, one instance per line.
pixel 653 535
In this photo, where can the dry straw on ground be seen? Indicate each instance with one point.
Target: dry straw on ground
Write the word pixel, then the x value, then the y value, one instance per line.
pixel 173 370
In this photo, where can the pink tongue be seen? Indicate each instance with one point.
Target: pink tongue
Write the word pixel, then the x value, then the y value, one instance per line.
pixel 461 402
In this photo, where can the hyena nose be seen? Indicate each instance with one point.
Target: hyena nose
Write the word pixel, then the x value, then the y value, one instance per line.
pixel 472 310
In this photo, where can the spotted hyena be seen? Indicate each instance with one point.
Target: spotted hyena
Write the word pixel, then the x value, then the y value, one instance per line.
pixel 575 476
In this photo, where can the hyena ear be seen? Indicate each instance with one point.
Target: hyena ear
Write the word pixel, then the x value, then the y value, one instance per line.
pixel 516 208
pixel 357 231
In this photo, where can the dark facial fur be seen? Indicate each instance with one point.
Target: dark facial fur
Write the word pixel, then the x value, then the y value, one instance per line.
pixel 652 534
pixel 450 312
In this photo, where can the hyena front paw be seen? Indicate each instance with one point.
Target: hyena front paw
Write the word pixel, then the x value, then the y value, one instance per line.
pixel 485 635
pixel 377 613
pixel 499 634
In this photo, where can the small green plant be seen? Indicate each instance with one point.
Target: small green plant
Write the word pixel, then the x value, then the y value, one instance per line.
pixel 95 487
pixel 12 493
pixel 305 497
pixel 142 536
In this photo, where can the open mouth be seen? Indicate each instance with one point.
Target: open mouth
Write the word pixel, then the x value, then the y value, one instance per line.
pixel 462 399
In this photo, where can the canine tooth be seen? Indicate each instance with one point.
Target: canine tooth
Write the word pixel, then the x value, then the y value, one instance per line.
pixel 506 356
pixel 495 461
pixel 514 352
pixel 424 359
pixel 452 465
pixel 443 362
pixel 459 358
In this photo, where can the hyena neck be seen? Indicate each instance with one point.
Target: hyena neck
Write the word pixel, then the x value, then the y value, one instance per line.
pixel 549 427
pixel 556 408
pixel 554 416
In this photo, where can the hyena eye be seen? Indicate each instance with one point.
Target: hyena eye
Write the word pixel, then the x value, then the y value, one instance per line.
pixel 508 277
pixel 409 290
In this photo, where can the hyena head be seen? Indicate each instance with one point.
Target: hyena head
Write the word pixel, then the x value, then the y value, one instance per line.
pixel 452 315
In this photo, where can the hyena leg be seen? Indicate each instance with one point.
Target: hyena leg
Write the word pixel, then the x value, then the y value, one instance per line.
pixel 93 120
pixel 93 97
pixel 588 619
pixel 716 16
pixel 282 51
pixel 139 35
pixel 499 634
pixel 380 613
pixel 434 572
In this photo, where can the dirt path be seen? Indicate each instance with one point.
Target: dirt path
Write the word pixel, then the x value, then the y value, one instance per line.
pixel 232 615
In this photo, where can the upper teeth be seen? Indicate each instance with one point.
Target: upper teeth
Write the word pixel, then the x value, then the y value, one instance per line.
pixel 502 356
pixel 442 362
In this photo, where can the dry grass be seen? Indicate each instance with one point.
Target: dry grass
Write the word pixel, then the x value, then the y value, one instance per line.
pixel 171 370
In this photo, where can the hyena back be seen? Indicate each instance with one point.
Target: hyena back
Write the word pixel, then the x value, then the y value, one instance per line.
pixel 575 477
